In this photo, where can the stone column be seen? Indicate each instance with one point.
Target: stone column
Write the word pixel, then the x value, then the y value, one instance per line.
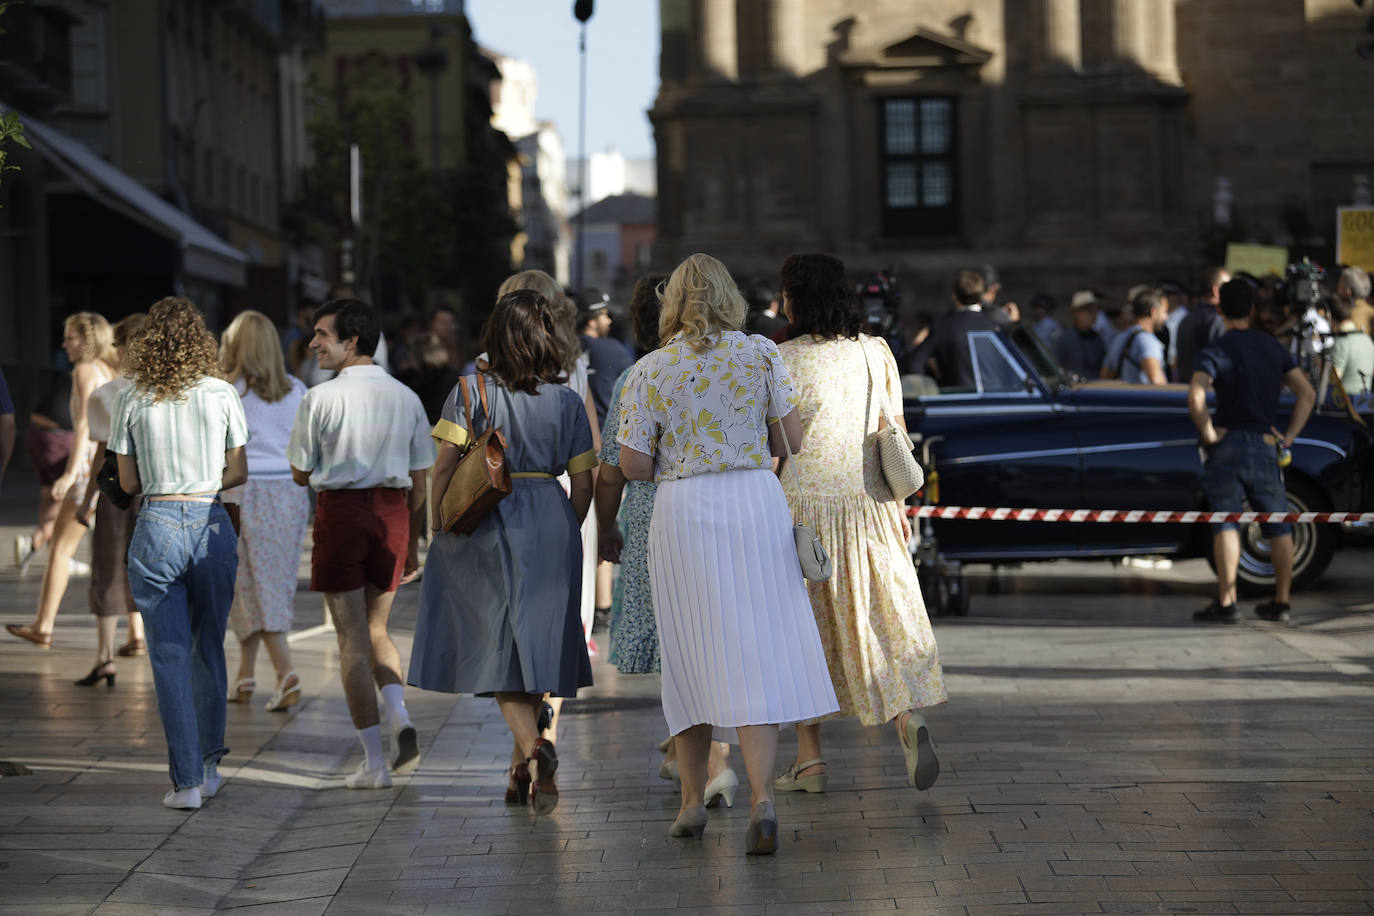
pixel 1163 42
pixel 1131 33
pixel 787 29
pixel 717 49
pixel 1061 39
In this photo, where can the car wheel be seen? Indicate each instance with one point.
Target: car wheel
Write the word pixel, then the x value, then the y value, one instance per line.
pixel 1313 546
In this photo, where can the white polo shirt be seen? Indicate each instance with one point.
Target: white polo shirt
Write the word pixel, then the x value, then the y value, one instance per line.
pixel 360 429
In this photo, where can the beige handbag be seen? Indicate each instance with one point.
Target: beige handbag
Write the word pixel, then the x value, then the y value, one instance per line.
pixel 900 470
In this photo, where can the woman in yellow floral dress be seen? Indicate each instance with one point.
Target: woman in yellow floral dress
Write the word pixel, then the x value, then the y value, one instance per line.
pixel 873 624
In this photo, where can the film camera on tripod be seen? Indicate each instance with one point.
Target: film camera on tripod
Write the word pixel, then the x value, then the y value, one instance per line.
pixel 1303 296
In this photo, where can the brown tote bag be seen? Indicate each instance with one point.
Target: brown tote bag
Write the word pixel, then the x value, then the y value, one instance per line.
pixel 481 479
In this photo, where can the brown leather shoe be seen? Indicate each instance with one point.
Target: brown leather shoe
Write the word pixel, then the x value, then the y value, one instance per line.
pixel 43 640
pixel 132 649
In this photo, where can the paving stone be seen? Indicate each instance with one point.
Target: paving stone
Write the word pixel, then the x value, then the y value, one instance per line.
pixel 1099 755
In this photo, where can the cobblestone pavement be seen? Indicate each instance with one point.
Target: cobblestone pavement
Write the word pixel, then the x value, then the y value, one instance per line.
pixel 1100 755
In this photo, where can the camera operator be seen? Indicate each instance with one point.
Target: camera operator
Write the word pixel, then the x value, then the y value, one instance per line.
pixel 1249 369
pixel 1353 286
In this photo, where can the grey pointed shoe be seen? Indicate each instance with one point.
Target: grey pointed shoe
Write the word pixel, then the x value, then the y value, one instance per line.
pixel 762 837
pixel 691 822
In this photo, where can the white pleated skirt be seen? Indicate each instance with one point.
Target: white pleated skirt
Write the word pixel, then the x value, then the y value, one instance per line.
pixel 736 632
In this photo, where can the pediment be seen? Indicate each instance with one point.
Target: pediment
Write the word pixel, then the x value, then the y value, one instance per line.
pixel 922 49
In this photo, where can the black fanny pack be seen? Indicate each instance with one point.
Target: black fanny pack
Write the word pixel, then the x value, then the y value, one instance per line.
pixel 107 479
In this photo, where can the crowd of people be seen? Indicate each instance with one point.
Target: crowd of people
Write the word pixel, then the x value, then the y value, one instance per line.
pixel 1157 334
pixel 200 463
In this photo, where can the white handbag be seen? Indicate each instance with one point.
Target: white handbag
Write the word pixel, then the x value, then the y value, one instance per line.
pixel 900 470
pixel 815 562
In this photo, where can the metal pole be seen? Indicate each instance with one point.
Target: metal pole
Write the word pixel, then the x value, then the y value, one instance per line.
pixel 434 102
pixel 581 159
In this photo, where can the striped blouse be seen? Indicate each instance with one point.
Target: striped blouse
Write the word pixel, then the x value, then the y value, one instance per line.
pixel 179 444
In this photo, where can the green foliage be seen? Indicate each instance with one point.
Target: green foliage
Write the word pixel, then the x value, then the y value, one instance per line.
pixel 10 128
pixel 422 230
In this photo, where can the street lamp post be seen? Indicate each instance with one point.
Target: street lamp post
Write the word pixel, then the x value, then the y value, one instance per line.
pixel 431 61
pixel 582 10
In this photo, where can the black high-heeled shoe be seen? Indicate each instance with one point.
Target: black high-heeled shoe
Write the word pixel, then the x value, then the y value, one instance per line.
pixel 98 673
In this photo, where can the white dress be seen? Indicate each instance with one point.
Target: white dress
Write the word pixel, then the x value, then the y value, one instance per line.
pixel 737 637
pixel 578 382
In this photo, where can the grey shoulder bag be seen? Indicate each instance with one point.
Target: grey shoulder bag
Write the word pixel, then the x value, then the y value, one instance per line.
pixel 815 562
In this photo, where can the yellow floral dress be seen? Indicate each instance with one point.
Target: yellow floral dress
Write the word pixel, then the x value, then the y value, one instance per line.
pixel 877 638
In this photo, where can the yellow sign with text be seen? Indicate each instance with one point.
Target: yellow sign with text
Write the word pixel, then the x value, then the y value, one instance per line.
pixel 1355 237
pixel 1256 260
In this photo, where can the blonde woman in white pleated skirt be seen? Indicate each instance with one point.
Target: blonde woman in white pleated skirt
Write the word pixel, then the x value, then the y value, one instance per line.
pixel 703 416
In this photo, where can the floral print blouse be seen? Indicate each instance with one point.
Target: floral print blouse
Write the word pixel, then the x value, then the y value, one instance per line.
pixel 700 413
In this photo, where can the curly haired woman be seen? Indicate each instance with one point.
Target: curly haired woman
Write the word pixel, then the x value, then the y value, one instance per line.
pixel 179 433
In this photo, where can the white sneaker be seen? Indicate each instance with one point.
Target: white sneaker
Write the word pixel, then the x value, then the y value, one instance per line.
pixel 405 749
pixel 23 552
pixel 363 778
pixel 210 787
pixel 76 568
pixel 185 800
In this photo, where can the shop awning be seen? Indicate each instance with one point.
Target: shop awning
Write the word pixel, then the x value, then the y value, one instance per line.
pixel 204 255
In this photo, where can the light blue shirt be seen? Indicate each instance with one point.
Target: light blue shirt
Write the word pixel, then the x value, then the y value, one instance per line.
pixel 179 443
pixel 1129 364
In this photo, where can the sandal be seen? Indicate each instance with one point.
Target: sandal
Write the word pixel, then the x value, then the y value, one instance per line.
pixel 132 649
pixel 285 697
pixel 42 640
pixel 789 781
pixel 922 766
pixel 242 691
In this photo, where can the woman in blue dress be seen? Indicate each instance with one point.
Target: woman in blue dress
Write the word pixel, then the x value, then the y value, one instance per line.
pixel 500 609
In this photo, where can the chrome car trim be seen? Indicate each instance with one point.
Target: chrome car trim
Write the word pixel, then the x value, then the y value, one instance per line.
pixel 1009 456
pixel 1132 446
pixel 1057 452
pixel 1317 443
pixel 957 410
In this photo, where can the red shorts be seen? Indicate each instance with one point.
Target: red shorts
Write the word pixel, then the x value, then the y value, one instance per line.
pixel 361 538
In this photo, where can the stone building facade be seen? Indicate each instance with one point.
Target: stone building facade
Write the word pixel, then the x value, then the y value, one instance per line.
pixel 1067 142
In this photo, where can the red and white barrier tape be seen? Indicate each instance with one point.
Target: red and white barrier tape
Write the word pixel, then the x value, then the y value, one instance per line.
pixel 1146 516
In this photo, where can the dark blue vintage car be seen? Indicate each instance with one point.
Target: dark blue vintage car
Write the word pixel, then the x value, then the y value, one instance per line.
pixel 1033 435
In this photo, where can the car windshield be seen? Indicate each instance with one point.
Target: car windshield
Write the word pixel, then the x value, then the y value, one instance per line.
pixel 1039 356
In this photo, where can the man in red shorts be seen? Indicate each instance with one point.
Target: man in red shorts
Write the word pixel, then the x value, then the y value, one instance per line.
pixel 361 440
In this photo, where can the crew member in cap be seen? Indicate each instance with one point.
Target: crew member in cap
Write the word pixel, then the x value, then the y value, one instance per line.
pixel 1080 347
pixel 607 357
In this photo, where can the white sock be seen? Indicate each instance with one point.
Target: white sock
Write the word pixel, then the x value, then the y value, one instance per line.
pixel 372 746
pixel 394 696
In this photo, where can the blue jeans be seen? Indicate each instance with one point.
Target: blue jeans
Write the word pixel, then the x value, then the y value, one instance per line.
pixel 182 565
pixel 1243 466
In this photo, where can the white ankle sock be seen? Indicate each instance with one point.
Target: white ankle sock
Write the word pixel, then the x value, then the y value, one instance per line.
pixel 394 696
pixel 372 746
